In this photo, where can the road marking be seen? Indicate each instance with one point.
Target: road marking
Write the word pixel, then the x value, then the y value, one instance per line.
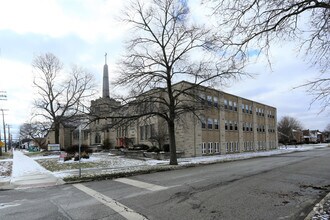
pixel 140 184
pixel 7 205
pixel 116 206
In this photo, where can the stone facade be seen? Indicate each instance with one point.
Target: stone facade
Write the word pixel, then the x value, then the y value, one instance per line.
pixel 227 124
pixel 224 124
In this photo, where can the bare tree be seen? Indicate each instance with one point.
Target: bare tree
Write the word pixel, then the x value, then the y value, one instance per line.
pixel 327 128
pixel 286 126
pixel 60 96
pixel 159 137
pixel 254 24
pixel 35 131
pixel 166 47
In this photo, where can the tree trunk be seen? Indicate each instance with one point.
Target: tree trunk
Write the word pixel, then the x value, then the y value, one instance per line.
pixel 57 133
pixel 171 131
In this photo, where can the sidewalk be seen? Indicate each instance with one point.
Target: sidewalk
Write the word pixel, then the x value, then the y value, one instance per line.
pixel 27 173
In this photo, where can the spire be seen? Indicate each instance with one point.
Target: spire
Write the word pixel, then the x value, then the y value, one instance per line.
pixel 105 90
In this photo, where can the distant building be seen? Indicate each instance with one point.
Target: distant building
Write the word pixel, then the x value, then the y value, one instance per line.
pixel 310 136
pixel 69 132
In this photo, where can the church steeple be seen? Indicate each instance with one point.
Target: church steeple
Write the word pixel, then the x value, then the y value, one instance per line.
pixel 105 90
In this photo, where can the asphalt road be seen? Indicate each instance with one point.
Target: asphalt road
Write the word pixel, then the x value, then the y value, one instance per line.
pixel 278 187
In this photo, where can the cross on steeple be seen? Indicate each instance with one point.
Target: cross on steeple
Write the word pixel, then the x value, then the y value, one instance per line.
pixel 105 57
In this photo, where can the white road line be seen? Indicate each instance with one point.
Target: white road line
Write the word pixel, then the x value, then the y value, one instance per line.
pixel 143 185
pixel 116 206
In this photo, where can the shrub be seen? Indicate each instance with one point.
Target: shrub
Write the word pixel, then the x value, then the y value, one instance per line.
pixel 106 144
pixel 154 149
pixel 84 155
pixel 140 147
pixel 75 148
pixel 67 157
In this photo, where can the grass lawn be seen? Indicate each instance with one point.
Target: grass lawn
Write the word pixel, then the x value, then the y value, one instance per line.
pixel 54 165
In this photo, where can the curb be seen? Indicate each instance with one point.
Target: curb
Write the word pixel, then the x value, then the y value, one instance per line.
pixel 317 208
pixel 5 185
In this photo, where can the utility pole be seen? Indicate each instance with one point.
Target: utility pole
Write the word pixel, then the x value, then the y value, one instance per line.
pixel 3 97
pixel 9 138
pixel 4 128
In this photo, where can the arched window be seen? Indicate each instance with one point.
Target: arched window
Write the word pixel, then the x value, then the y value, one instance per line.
pixel 97 138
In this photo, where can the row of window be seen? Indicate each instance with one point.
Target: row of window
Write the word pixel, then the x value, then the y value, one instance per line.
pixel 232 105
pixel 147 131
pixel 232 125
pixel 210 100
pixel 211 123
pixel 234 147
pixel 247 109
pixel 212 148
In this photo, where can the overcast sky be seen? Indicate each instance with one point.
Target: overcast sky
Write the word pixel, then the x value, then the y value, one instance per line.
pixel 80 32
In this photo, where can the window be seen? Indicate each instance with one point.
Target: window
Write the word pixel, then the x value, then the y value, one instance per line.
pixel 235 106
pixel 209 123
pixel 97 138
pixel 202 98
pixel 146 132
pixel 210 147
pixel 142 133
pixel 230 126
pixel 230 105
pixel 243 108
pixel 227 147
pixel 226 125
pixel 209 100
pixel 203 148
pixel 85 134
pixel 203 122
pixel 216 124
pixel 152 130
pixel 235 125
pixel 216 146
pixel 251 128
pixel 225 103
pixel 215 101
pixel 75 135
pixel 251 109
pixel 237 146
pixel 243 125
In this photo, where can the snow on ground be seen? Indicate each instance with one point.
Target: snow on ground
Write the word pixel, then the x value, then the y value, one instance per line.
pixel 5 169
pixel 119 163
pixel 24 165
pixel 239 156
